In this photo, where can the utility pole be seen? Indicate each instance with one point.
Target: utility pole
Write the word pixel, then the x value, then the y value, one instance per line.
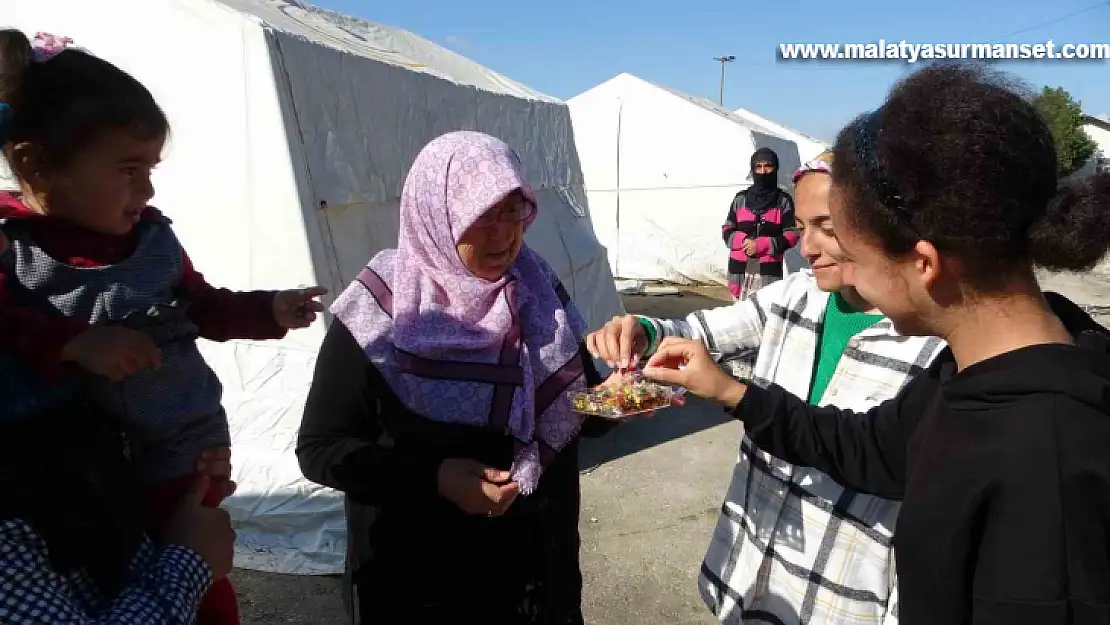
pixel 722 60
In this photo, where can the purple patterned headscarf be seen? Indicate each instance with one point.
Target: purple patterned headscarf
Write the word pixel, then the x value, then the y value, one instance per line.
pixel 457 348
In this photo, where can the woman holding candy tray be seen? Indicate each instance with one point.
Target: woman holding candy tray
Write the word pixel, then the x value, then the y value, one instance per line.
pixel 441 407
pixel 821 340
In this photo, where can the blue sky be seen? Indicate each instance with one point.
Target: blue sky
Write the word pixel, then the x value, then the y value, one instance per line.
pixel 563 48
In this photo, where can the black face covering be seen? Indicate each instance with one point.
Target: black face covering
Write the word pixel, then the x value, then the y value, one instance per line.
pixel 764 191
pixel 69 474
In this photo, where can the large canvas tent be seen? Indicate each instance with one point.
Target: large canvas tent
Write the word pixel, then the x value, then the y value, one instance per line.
pixel 808 147
pixel 661 168
pixel 293 129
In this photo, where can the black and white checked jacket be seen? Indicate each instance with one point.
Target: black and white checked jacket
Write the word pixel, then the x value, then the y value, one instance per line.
pixel 791 545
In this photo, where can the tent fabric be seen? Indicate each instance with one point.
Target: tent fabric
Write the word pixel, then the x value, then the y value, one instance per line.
pixel 808 147
pixel 293 130
pixel 661 168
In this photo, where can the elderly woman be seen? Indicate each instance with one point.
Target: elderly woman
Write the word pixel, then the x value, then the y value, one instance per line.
pixel 440 406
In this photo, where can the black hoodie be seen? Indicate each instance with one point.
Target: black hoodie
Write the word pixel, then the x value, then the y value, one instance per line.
pixel 1004 473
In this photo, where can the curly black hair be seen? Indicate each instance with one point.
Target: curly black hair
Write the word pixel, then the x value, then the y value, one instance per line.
pixel 61 104
pixel 958 156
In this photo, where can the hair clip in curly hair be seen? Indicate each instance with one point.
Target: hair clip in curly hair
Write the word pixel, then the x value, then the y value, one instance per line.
pixel 867 133
pixel 47 46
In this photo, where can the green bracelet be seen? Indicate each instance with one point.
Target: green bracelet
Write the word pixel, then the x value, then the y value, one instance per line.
pixel 649 329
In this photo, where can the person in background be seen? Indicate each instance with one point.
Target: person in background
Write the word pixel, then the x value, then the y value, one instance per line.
pixel 759 228
pixel 998 451
pixel 441 407
pixel 785 532
pixel 97 295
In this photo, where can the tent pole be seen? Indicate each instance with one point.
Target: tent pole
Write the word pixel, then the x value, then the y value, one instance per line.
pixel 620 111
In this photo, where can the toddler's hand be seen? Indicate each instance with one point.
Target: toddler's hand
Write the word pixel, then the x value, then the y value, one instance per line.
pixel 113 352
pixel 297 308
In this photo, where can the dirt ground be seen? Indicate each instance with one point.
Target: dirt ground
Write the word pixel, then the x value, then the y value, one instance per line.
pixel 688 300
pixel 650 492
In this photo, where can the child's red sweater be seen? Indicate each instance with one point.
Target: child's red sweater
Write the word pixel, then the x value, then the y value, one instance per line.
pixel 39 338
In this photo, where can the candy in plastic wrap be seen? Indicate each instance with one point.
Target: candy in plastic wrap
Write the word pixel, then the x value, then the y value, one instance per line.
pixel 632 395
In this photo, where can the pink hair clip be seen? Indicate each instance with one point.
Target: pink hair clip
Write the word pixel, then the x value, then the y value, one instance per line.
pixel 47 46
pixel 811 166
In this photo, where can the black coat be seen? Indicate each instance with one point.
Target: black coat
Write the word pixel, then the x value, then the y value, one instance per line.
pixel 414 557
pixel 1003 469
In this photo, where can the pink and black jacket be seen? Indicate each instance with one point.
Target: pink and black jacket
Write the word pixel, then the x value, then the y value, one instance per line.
pixel 772 227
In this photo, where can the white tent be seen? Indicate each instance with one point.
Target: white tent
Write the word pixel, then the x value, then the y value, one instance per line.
pixel 808 147
pixel 661 169
pixel 293 129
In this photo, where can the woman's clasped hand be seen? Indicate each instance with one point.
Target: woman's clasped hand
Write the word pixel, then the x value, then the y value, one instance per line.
pixel 475 488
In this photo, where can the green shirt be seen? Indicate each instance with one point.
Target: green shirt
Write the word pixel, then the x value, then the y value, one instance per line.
pixel 842 322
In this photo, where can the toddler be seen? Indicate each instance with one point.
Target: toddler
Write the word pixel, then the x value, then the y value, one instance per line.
pixel 97 294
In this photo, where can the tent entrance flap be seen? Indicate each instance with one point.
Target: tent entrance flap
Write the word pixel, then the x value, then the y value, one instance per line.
pixel 358 231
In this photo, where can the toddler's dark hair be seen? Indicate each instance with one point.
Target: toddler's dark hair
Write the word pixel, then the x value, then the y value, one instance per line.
pixel 970 166
pixel 62 104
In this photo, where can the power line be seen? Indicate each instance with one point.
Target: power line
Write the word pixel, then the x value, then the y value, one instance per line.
pixel 1057 20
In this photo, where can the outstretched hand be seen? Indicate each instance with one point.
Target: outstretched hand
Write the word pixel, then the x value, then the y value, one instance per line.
pixel 297 308
pixel 687 363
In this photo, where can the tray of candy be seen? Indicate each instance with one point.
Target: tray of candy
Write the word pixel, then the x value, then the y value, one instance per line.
pixel 631 396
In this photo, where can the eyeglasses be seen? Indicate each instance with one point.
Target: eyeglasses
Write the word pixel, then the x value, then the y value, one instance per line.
pixel 515 213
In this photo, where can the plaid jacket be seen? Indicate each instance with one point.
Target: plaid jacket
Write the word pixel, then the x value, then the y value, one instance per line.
pixel 166 586
pixel 791 545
